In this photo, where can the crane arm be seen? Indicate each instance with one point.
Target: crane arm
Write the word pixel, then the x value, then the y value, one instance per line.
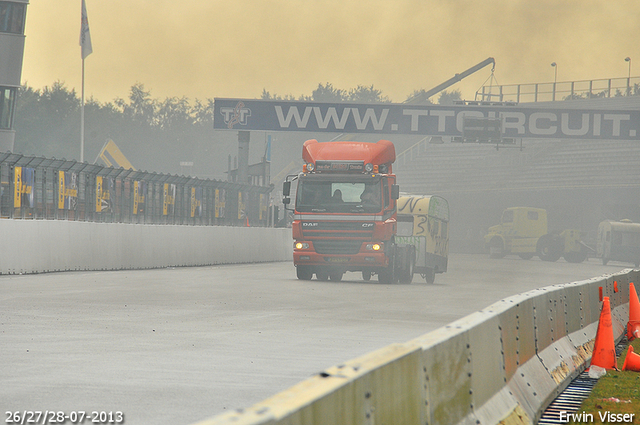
pixel 427 94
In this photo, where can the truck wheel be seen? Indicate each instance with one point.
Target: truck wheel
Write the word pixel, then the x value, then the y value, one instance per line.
pixel 575 257
pixel 304 272
pixel 366 275
pixel 526 256
pixel 387 276
pixel 322 275
pixel 336 276
pixel 430 275
pixel 406 274
pixel 496 248
pixel 548 248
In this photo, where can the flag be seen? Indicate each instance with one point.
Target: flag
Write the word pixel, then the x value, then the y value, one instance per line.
pixel 85 35
pixel 267 150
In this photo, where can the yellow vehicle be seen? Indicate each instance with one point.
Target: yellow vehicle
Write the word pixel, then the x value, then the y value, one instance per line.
pixel 523 231
pixel 619 241
pixel 423 221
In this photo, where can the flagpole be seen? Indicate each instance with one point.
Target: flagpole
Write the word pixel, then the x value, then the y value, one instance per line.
pixel 82 118
pixel 86 50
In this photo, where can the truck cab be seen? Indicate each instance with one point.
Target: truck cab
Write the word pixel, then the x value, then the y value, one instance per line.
pixel 523 231
pixel 345 211
pixel 518 232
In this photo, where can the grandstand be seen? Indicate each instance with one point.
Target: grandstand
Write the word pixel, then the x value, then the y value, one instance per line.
pixel 579 182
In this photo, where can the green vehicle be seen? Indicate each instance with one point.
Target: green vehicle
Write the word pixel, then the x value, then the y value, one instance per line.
pixel 523 232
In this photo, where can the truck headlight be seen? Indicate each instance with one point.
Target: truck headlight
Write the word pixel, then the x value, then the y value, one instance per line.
pixel 368 167
pixel 310 167
pixel 374 247
pixel 301 245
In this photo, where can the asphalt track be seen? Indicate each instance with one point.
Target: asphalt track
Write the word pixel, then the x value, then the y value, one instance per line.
pixel 178 345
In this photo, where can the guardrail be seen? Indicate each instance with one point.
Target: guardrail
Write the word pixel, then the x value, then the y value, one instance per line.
pixel 503 364
pixel 58 189
pixel 40 246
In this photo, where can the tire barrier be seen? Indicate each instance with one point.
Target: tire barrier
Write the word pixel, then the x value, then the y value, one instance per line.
pixel 504 364
pixel 38 246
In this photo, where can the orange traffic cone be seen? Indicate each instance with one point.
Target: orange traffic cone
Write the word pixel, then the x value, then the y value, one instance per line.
pixel 632 361
pixel 604 351
pixel 633 327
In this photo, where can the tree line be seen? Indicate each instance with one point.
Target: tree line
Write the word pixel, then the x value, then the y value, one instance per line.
pixel 154 134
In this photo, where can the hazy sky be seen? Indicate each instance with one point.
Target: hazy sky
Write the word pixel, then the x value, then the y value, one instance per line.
pixel 208 48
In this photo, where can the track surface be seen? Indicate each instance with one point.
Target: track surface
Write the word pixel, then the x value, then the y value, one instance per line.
pixel 180 345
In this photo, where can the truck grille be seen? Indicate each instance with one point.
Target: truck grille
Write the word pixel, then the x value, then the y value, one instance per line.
pixel 329 246
pixel 338 229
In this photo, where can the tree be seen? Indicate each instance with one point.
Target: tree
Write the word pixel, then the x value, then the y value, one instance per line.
pixel 419 94
pixel 447 98
pixel 364 94
pixel 327 93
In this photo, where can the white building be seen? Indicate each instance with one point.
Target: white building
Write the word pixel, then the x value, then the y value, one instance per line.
pixel 12 23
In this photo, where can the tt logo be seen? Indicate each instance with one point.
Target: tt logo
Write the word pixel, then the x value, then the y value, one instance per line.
pixel 237 115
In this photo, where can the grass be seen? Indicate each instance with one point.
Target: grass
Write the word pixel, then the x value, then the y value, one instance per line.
pixel 623 386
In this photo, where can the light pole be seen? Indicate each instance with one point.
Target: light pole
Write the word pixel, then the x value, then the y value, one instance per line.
pixel 555 79
pixel 628 59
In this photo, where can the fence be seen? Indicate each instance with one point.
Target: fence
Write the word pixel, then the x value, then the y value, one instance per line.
pixel 59 189
pixel 565 90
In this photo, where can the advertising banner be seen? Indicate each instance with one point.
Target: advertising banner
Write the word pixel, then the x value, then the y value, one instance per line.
pixel 17 187
pixel 196 202
pixel 517 121
pixel 264 206
pixel 28 186
pixel 242 205
pixel 221 196
pixel 168 198
pixel 139 192
pixel 67 190
pixel 104 189
pixel 23 187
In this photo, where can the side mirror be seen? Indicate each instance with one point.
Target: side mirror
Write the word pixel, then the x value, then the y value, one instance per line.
pixel 395 191
pixel 286 188
pixel 286 200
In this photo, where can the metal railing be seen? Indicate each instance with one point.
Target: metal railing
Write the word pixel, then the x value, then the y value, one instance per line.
pixel 563 90
pixel 58 189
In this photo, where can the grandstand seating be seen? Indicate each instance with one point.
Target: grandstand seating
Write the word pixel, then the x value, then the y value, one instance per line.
pixel 541 164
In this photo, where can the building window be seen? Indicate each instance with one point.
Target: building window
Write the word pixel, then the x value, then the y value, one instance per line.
pixel 7 101
pixel 12 17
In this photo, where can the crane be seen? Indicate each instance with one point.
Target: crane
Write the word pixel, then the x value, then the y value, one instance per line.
pixel 421 97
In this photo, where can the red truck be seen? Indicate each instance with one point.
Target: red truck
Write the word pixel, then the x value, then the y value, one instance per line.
pixel 345 213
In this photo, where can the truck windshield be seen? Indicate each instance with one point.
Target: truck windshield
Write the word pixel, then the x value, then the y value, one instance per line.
pixel 339 195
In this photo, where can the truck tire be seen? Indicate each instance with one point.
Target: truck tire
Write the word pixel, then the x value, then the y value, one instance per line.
pixel 408 266
pixel 304 272
pixel 366 275
pixel 388 275
pixel 496 248
pixel 430 275
pixel 548 248
pixel 526 255
pixel 336 275
pixel 322 275
pixel 576 256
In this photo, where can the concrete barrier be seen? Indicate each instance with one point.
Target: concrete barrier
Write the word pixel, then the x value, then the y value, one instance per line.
pixel 37 246
pixel 501 365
